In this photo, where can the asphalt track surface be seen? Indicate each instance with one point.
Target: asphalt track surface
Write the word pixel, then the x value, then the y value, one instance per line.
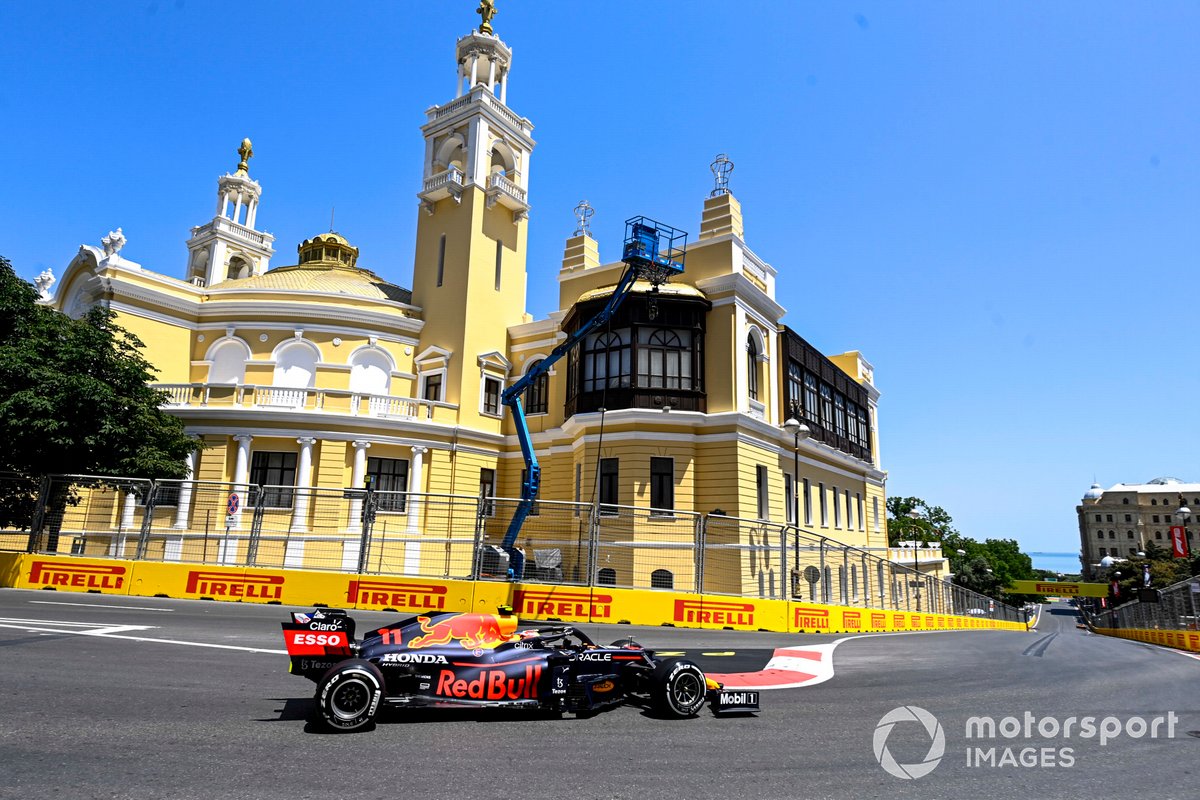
pixel 185 699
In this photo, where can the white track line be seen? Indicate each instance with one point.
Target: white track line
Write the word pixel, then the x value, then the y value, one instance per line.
pixel 116 632
pixel 100 605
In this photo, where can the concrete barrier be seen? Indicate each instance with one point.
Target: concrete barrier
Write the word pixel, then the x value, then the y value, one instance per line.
pixel 403 594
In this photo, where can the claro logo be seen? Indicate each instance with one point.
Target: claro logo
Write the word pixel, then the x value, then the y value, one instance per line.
pixel 703 611
pixel 562 604
pixel 412 596
pixel 234 584
pixel 77 576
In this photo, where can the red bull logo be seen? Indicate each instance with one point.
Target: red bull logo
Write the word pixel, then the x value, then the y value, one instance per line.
pixel 810 617
pixel 878 620
pixel 544 603
pixel 472 631
pixel 77 576
pixel 390 594
pixel 852 620
pixel 706 612
pixel 492 684
pixel 234 585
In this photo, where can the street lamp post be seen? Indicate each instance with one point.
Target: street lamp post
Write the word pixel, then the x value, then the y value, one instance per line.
pixel 915 515
pixel 798 431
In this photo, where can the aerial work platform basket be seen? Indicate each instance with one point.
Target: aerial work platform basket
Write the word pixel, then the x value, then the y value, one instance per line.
pixel 654 251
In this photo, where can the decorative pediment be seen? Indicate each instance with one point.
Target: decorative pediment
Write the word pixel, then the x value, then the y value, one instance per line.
pixel 495 362
pixel 432 357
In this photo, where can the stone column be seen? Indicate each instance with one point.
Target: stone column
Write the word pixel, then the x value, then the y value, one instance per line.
pixel 412 550
pixel 492 75
pixel 352 546
pixel 237 209
pixel 128 510
pixel 184 508
pixel 474 71
pixel 293 554
pixel 504 87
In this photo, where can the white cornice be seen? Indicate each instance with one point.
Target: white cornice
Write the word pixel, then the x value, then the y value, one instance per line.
pixel 745 289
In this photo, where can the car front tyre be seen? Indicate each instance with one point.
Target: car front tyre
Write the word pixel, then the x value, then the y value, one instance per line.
pixel 349 694
pixel 679 688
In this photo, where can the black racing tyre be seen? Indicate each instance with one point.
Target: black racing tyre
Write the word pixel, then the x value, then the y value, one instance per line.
pixel 348 695
pixel 678 688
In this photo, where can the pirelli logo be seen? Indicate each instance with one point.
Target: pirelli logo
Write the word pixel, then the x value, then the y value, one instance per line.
pixel 544 603
pixel 234 585
pixel 392 594
pixel 704 612
pixel 77 576
pixel 897 620
pixel 852 620
pixel 810 617
pixel 878 620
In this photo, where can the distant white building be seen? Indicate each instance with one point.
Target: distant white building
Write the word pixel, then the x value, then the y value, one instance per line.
pixel 1121 521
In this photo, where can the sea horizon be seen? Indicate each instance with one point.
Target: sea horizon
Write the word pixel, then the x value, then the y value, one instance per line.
pixel 1055 561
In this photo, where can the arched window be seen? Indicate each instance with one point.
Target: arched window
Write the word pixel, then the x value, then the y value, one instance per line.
pixel 1099 534
pixel 238 268
pixel 295 372
pixel 536 399
pixel 606 361
pixel 752 366
pixel 228 362
pixel 662 579
pixel 370 373
pixel 664 359
pixel 606 577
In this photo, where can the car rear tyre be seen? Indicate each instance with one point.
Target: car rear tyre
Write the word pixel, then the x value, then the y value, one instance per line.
pixel 678 688
pixel 348 695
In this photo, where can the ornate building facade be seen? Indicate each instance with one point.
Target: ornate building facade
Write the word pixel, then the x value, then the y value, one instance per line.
pixel 320 373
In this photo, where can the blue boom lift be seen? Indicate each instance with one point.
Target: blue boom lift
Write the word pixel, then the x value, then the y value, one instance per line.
pixel 653 252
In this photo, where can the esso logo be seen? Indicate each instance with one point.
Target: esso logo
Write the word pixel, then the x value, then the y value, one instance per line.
pixel 319 638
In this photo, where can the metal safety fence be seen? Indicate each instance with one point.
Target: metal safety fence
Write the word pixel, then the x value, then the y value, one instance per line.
pixel 1171 609
pixel 456 536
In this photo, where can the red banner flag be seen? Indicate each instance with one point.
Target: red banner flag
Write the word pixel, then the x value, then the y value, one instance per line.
pixel 1179 544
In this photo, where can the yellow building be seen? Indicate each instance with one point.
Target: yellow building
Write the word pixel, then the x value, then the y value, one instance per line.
pixel 321 374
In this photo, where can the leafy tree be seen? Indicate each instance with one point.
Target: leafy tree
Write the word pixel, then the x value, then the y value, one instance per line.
pixel 986 567
pixel 74 398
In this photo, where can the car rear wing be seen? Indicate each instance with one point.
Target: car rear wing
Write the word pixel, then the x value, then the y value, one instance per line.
pixel 322 632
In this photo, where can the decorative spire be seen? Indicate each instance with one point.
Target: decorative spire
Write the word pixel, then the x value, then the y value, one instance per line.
pixel 486 10
pixel 583 213
pixel 246 152
pixel 721 168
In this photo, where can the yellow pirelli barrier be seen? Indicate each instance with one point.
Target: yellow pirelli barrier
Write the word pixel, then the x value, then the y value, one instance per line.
pixel 1181 640
pixel 404 594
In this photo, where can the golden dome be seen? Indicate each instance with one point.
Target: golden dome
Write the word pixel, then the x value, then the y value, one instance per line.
pixel 314 278
pixel 328 249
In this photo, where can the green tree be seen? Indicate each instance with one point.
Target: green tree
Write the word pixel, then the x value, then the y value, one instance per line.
pixel 74 398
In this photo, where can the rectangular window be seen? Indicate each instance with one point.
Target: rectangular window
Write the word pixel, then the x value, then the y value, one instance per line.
pixel 852 422
pixel 807 503
pixel 1101 519
pixel 862 522
pixel 789 499
pixel 826 407
pixel 875 513
pixel 839 414
pixel 864 431
pixel 1109 517
pixel 849 512
pixel 662 485
pixel 1128 518
pixel 608 486
pixel 491 396
pixel 433 387
pixel 390 476
pixel 795 390
pixel 441 272
pixel 764 500
pixel 810 398
pixel 276 471
pixel 824 508
pixel 499 261
pixel 487 490
pixel 837 510
pixel 1103 551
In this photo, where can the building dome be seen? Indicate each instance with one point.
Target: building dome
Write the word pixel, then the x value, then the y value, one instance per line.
pixel 327 249
pixel 1164 481
pixel 1094 493
pixel 1107 561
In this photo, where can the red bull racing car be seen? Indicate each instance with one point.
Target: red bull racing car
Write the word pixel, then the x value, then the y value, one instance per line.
pixel 483 661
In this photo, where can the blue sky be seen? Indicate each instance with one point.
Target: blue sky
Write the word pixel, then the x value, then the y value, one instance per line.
pixel 997 202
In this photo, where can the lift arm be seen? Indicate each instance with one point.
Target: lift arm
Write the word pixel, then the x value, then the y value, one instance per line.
pixel 652 251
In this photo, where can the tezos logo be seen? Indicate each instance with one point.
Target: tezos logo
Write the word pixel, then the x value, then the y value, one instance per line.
pixel 933 728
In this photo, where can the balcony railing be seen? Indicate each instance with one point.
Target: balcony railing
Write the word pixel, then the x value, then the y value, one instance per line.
pixel 502 183
pixel 443 179
pixel 325 401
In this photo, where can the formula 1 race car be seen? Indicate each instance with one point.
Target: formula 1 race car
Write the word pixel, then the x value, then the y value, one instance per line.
pixel 482 661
